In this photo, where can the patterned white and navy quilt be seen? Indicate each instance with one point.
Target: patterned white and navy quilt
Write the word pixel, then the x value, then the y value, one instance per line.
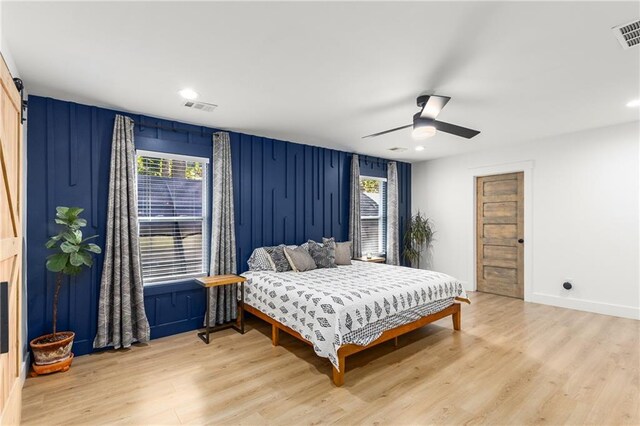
pixel 333 307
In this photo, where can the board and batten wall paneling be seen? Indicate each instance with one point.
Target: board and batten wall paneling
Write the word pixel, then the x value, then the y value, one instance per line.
pixel 283 193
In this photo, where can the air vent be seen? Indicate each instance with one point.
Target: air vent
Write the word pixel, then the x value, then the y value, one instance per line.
pixel 628 34
pixel 202 106
pixel 398 149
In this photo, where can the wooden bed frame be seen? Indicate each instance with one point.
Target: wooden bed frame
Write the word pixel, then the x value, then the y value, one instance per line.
pixel 350 349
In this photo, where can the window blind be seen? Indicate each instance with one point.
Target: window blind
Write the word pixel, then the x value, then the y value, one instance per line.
pixel 373 214
pixel 172 211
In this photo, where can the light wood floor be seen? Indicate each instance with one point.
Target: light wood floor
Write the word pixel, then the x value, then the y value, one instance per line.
pixel 512 363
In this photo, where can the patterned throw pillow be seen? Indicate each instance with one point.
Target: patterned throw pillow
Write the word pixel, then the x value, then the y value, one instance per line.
pixel 322 254
pixel 342 253
pixel 329 242
pixel 260 260
pixel 278 259
pixel 299 259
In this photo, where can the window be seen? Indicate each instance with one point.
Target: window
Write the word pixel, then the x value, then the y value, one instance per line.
pixel 373 214
pixel 172 211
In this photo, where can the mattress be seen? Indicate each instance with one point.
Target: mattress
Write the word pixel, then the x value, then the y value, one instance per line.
pixel 354 303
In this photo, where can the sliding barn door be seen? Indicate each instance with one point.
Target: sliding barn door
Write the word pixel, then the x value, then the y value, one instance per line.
pixel 10 248
pixel 500 234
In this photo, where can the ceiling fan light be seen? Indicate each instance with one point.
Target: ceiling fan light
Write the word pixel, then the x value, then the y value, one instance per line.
pixel 423 132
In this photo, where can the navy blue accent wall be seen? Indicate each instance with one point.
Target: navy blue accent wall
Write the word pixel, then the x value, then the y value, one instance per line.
pixel 283 192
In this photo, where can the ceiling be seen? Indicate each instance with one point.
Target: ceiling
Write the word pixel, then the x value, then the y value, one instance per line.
pixel 327 74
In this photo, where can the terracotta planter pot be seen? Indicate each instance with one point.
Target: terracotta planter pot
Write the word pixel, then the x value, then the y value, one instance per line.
pixel 53 352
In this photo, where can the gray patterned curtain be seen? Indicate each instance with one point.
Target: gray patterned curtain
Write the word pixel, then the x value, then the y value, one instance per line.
pixel 354 209
pixel 223 301
pixel 121 316
pixel 393 241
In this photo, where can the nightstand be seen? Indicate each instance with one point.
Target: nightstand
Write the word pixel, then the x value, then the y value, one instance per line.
pixel 373 259
pixel 218 281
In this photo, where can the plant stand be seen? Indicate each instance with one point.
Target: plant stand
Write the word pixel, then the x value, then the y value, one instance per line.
pixel 63 366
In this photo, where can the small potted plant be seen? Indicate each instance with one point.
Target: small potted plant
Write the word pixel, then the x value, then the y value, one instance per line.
pixel 417 238
pixel 52 352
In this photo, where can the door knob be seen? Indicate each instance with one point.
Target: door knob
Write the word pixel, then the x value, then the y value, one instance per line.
pixel 521 241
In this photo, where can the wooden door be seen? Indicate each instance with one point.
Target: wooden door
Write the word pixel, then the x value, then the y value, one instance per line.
pixel 500 234
pixel 11 243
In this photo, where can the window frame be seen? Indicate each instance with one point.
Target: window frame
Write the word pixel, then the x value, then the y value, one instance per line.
pixel 381 217
pixel 205 213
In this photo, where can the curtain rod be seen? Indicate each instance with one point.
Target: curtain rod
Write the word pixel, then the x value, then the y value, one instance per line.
pixel 173 129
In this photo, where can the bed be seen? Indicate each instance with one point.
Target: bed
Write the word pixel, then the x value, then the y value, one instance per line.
pixel 344 310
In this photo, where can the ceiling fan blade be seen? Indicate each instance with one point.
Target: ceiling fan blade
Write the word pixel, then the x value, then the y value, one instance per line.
pixel 387 131
pixel 433 106
pixel 455 130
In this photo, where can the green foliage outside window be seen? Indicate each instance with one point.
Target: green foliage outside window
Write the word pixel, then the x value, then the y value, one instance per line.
pixel 370 185
pixel 169 168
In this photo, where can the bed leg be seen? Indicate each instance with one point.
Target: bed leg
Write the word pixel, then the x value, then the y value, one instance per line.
pixel 457 317
pixel 338 376
pixel 395 341
pixel 275 335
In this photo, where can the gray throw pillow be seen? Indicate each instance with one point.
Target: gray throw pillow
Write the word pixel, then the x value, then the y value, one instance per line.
pixel 299 259
pixel 323 255
pixel 343 252
pixel 278 259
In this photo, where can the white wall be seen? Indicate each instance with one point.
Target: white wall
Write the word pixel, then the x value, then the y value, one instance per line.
pixel 4 49
pixel 583 203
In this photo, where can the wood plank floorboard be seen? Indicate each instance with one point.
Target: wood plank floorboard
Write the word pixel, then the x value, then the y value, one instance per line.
pixel 513 363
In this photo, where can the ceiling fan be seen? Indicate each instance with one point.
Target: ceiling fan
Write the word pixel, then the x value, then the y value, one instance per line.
pixel 425 124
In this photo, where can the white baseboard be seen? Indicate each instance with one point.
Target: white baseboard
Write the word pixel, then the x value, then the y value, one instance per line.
pixel 586 305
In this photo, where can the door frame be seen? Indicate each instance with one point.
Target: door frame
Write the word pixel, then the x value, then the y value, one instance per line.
pixel 498 169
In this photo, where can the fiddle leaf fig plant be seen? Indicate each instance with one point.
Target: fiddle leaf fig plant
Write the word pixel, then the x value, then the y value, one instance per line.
pixel 72 251
pixel 417 238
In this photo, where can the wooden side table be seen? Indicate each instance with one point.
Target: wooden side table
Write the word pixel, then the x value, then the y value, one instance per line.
pixel 374 259
pixel 218 281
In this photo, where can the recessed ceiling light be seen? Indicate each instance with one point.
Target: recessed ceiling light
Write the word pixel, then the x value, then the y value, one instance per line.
pixel 188 94
pixel 633 103
pixel 419 148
